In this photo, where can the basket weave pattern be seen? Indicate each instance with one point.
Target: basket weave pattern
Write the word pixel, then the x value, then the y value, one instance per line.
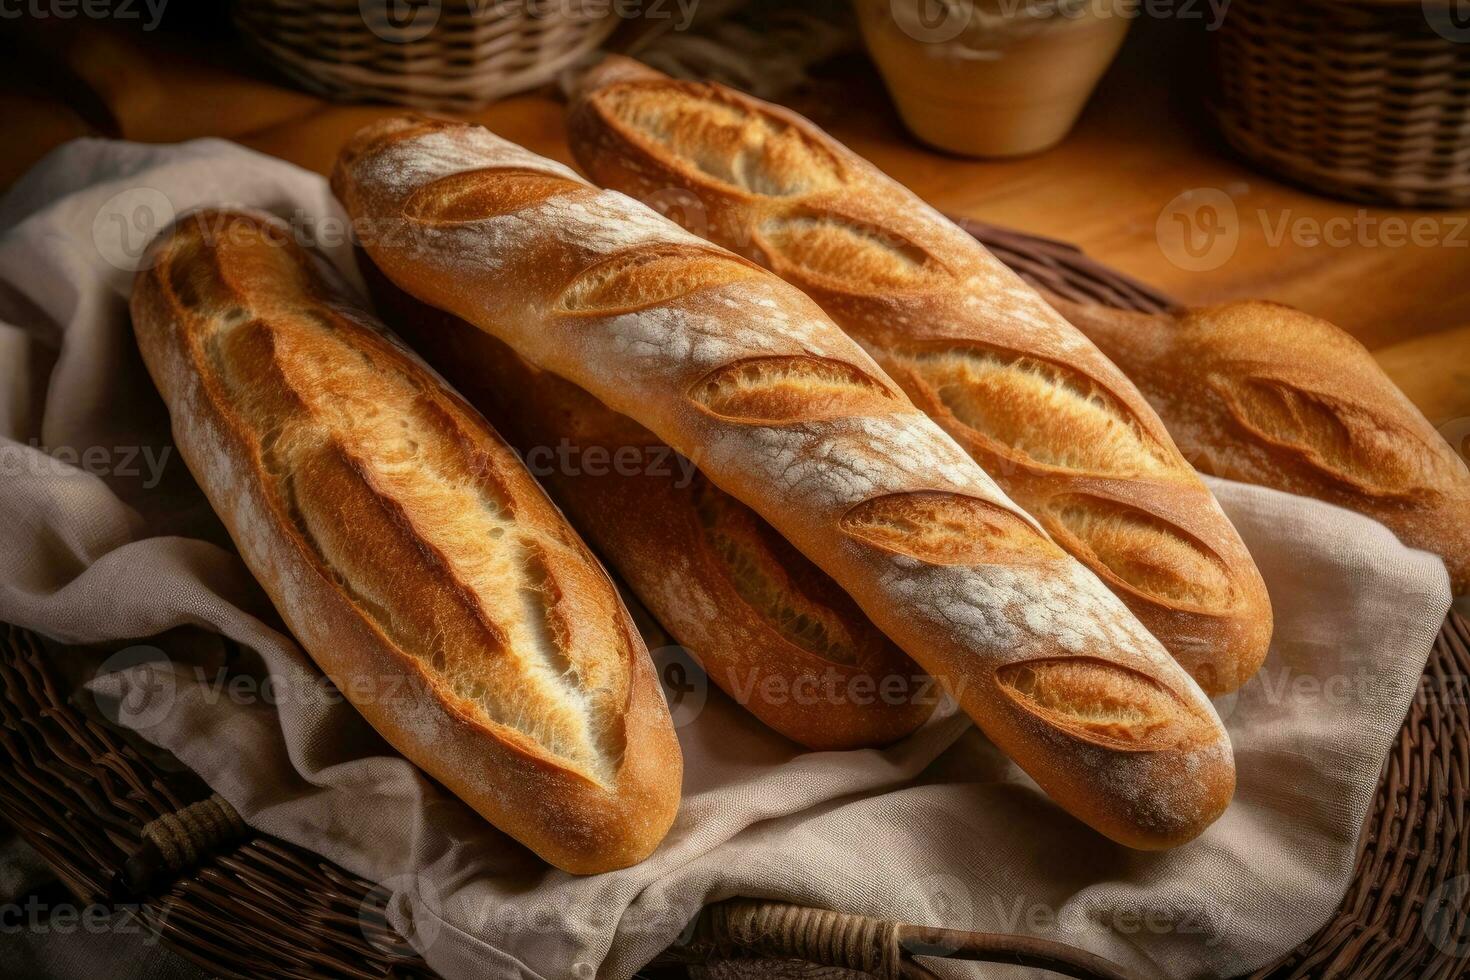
pixel 85 799
pixel 1364 101
pixel 462 55
pixel 117 830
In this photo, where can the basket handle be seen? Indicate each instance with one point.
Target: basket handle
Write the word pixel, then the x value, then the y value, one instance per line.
pixel 746 927
pixel 181 840
pixel 1066 270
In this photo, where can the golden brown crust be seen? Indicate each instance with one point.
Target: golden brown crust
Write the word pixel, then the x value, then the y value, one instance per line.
pixel 1266 394
pixel 508 268
pixel 406 547
pixel 1059 427
pixel 768 627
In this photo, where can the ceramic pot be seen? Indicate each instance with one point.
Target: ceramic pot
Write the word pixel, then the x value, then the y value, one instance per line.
pixel 993 78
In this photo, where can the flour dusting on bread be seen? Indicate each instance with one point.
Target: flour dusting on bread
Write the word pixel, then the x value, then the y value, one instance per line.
pixel 406 546
pixel 782 410
pixel 1029 396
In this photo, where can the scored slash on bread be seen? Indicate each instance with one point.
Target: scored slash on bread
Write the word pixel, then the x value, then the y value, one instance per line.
pixel 1062 430
pixel 769 628
pixel 406 546
pixel 1262 393
pixel 744 374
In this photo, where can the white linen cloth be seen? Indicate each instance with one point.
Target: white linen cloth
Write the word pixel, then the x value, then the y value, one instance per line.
pixel 104 537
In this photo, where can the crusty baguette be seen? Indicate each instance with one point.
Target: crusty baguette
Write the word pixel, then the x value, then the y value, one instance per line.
pixel 1263 393
pixel 406 546
pixel 1041 409
pixel 744 374
pixel 773 632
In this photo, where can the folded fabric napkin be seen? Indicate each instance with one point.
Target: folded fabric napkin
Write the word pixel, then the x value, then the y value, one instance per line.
pixel 104 537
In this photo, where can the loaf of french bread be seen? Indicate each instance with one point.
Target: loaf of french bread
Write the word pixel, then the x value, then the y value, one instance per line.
pixel 1263 393
pixel 1042 410
pixel 746 376
pixel 767 626
pixel 404 544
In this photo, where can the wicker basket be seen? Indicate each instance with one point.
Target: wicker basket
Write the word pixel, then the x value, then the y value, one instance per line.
pixel 118 829
pixel 1363 99
pixel 453 55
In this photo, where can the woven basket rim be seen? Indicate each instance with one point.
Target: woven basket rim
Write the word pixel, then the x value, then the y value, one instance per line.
pixel 1373 107
pixel 331 923
pixel 465 61
pixel 84 798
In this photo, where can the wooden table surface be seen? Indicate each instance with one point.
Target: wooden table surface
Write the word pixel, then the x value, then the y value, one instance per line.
pixel 1142 165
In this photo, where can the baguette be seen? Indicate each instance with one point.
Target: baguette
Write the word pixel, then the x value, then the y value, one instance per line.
pixel 1262 393
pixel 406 547
pixel 745 375
pixel 1041 409
pixel 767 626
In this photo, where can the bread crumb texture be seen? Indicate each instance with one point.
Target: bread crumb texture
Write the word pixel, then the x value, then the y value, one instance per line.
pixel 639 280
pixel 1000 395
pixel 776 580
pixel 1149 554
pixel 1340 439
pixel 779 389
pixel 974 346
pixel 827 248
pixel 783 400
pixel 404 488
pixel 753 152
pixel 1106 703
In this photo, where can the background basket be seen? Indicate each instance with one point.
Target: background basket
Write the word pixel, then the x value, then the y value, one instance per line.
pixel 119 829
pixel 453 55
pixel 1363 99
